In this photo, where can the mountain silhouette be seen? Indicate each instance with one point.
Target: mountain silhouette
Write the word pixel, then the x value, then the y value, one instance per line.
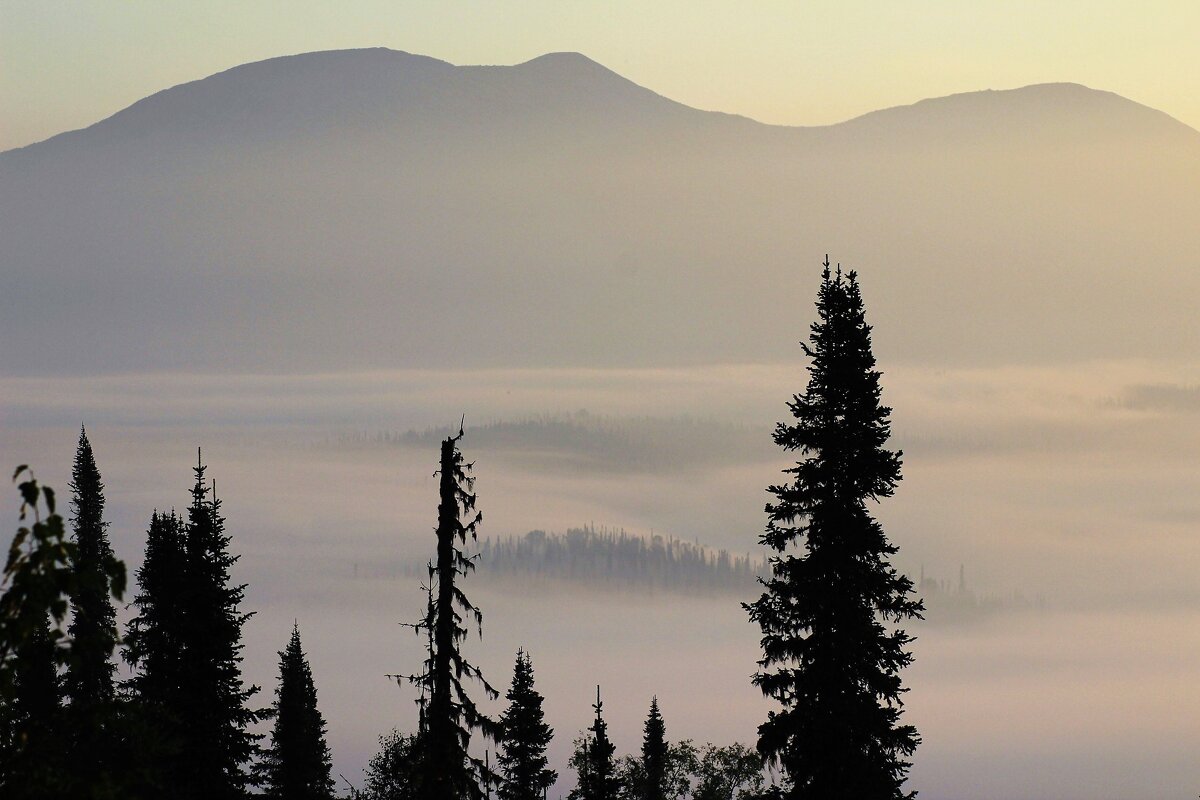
pixel 334 210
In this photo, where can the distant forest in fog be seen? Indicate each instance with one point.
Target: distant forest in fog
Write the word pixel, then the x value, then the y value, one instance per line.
pixel 602 442
pixel 604 557
pixel 614 559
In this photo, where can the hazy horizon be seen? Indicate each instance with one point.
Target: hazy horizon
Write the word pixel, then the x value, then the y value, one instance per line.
pixel 784 64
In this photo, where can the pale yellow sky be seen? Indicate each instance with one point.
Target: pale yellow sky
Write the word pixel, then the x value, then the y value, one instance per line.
pixel 67 63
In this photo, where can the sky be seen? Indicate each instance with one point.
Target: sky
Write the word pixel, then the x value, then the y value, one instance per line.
pixel 64 65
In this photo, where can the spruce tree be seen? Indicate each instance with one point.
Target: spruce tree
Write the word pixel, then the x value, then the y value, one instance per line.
pixel 594 761
pixel 654 754
pixel 154 639
pixel 829 656
pixel 93 630
pixel 219 746
pixel 38 580
pixel 297 765
pixel 154 647
pixel 524 736
pixel 446 770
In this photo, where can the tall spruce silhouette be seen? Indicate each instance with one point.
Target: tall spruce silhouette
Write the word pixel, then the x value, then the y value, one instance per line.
pixel 217 744
pixel 38 580
pixel 446 770
pixel 154 647
pixel 88 681
pixel 524 736
pixel 829 657
pixel 296 766
pixel 654 754
pixel 594 761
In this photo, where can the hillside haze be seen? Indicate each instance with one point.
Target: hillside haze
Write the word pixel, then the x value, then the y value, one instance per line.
pixel 377 209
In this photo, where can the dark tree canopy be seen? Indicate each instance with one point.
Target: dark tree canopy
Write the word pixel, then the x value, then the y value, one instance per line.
pixel 154 639
pixel 296 766
pixel 594 761
pixel 93 630
pixel 446 769
pixel 185 643
pixel 654 754
pixel 392 773
pixel 733 772
pixel 154 648
pixel 39 578
pixel 524 736
pixel 32 763
pixel 218 746
pixel 829 656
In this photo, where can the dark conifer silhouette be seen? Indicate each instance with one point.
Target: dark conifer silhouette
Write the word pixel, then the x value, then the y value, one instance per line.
pixel 38 579
pixel 218 745
pixel 186 645
pixel 33 767
pixel 654 754
pixel 524 736
pixel 154 647
pixel 828 658
pixel 594 762
pixel 89 678
pixel 297 765
pixel 446 769
pixel 154 639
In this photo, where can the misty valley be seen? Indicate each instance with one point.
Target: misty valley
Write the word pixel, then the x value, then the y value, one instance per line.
pixel 388 429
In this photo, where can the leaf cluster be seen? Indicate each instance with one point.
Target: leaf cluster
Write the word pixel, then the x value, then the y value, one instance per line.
pixel 39 577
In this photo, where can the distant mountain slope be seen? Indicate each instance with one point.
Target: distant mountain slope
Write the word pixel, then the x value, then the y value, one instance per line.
pixel 348 91
pixel 371 208
pixel 1073 114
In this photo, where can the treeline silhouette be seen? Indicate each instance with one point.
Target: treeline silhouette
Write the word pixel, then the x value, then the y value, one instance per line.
pixel 182 725
pixel 958 602
pixel 613 557
pixel 603 558
pixel 829 610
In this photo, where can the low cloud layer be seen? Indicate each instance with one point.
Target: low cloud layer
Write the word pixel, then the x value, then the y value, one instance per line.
pixel 1075 484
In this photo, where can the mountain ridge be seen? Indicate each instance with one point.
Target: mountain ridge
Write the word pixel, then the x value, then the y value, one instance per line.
pixel 335 210
pixel 405 67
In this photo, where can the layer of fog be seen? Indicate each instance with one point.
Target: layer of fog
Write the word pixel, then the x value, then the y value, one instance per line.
pixel 1076 484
